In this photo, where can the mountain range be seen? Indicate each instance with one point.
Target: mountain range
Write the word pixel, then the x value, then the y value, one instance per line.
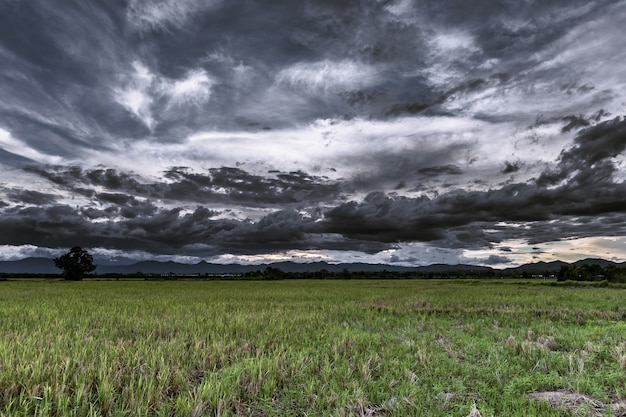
pixel 46 266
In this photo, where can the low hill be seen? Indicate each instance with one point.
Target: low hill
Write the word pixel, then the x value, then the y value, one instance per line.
pixel 46 266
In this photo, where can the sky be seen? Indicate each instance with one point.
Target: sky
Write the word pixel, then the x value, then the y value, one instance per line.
pixel 485 132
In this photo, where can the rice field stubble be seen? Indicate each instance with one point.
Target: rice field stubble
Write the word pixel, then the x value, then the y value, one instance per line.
pixel 295 348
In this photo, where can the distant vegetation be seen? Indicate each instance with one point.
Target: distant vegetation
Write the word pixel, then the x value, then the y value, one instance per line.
pixel 572 272
pixel 311 347
pixel 592 272
pixel 272 273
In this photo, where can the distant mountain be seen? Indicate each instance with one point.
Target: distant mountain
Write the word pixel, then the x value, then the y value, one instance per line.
pixel 438 268
pixel 46 266
pixel 155 267
pixel 598 261
pixel 553 266
pixel 29 266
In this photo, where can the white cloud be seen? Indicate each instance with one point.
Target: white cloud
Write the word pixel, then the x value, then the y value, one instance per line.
pixel 406 254
pixel 124 257
pixel 138 103
pixel 611 248
pixel 589 60
pixel 194 89
pixel 337 149
pixel 136 93
pixel 290 255
pixel 401 8
pixel 242 75
pixel 447 57
pixel 17 252
pixel 418 254
pixel 158 14
pixel 326 76
pixel 450 41
pixel 579 73
pixel 331 143
pixel 141 89
pixel 20 148
pixel 570 250
pixel 351 149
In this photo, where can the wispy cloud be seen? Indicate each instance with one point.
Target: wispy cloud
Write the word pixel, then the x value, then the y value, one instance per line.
pixel 159 15
pixel 325 77
pixel 142 90
pixel 136 95
pixel 16 147
pixel 194 88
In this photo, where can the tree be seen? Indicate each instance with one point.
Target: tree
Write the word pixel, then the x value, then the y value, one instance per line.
pixel 75 263
pixel 273 273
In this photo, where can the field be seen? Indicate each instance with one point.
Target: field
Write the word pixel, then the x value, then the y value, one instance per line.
pixel 310 348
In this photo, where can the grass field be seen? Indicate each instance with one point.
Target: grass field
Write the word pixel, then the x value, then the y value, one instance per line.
pixel 314 348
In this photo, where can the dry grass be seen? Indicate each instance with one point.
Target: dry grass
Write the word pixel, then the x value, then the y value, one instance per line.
pixel 579 404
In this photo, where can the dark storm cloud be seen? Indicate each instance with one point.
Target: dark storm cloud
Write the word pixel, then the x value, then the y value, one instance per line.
pixel 31 197
pixel 80 80
pixel 589 159
pixel 610 224
pixel 36 225
pixel 543 22
pixel 495 260
pixel 112 180
pixel 574 122
pixel 588 202
pixel 408 108
pixel 280 230
pixel 76 179
pixel 160 230
pixel 589 192
pixel 170 231
pixel 58 59
pixel 511 167
pixel 436 97
pixel 219 185
pixel 125 206
pixel 606 140
pixel 241 186
pixel 418 161
pixel 385 219
pixel 115 198
pixel 156 230
pixel 435 171
pixel 459 219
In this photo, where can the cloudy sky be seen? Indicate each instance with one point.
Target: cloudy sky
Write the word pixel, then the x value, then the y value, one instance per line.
pixel 411 132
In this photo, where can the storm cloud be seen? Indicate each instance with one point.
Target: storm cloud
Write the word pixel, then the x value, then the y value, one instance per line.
pixel 388 131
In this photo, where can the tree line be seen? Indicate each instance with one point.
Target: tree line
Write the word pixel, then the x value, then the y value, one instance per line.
pixel 592 272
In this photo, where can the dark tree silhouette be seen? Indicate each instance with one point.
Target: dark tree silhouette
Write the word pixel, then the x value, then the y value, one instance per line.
pixel 75 263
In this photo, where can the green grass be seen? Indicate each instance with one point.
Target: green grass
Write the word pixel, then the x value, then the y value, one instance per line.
pixel 295 348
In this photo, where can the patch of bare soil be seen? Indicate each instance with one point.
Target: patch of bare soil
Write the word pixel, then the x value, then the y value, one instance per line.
pixel 579 404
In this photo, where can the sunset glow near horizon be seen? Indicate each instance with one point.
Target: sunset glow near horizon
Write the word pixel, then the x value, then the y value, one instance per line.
pixel 392 131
